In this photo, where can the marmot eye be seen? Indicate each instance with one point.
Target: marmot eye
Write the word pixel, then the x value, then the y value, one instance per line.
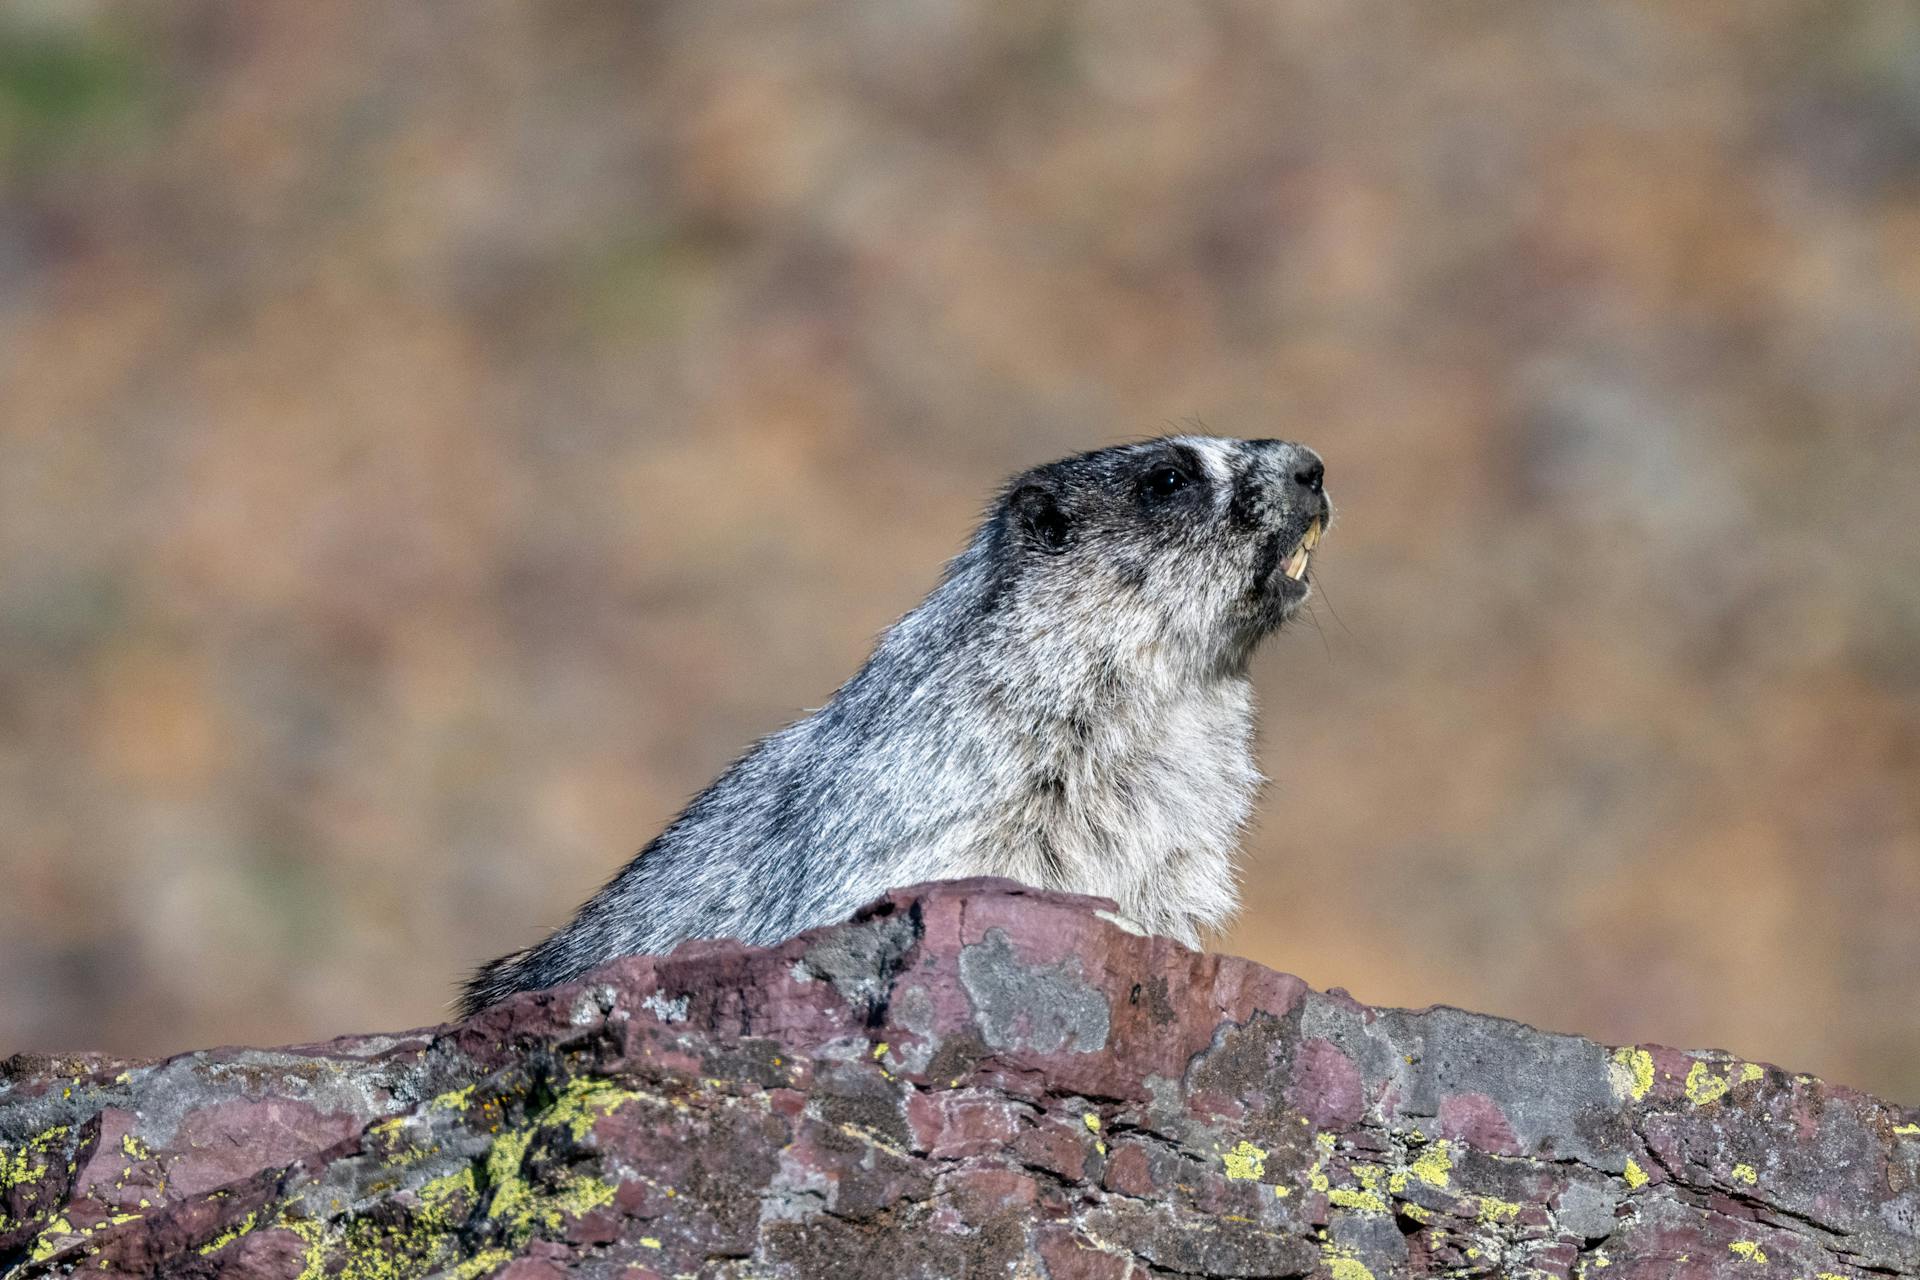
pixel 1166 482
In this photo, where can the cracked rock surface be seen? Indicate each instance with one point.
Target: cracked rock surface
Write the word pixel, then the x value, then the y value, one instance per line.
pixel 968 1079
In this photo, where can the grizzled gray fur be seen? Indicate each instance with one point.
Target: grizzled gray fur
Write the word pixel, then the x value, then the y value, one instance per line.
pixel 1069 708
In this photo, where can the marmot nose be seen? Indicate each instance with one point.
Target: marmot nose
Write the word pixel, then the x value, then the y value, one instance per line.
pixel 1299 464
pixel 1311 474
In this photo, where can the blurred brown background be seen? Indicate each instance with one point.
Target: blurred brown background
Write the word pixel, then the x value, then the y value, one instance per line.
pixel 436 437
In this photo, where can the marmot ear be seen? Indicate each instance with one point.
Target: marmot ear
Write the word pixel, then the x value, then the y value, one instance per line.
pixel 1037 513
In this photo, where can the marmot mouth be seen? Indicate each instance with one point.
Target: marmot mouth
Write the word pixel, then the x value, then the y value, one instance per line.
pixel 1296 565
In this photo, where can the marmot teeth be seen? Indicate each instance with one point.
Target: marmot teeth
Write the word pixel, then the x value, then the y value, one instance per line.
pixel 1297 562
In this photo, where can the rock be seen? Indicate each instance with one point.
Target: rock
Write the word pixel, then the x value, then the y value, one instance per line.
pixel 968 1079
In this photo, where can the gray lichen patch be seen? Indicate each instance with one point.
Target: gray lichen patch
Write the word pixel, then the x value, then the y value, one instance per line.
pixel 861 959
pixel 1038 1008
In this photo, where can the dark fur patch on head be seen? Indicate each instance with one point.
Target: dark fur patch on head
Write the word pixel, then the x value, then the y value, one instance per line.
pixel 1243 510
pixel 1042 517
pixel 1269 562
pixel 1170 477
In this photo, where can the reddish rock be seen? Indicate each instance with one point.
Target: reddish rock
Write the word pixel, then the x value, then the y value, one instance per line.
pixel 1326 1085
pixel 1058 1148
pixel 1477 1121
pixel 1068 1255
pixel 982 1195
pixel 1127 1171
pixel 967 1079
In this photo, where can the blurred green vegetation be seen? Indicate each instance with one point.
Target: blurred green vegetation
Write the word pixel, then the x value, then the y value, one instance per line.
pixel 60 88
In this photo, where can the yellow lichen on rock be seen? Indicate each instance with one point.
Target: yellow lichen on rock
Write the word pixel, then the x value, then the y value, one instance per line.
pixel 1245 1161
pixel 28 1162
pixel 453 1099
pixel 1343 1264
pixel 1434 1165
pixel 231 1234
pixel 1359 1200
pixel 1703 1086
pixel 1630 1072
pixel 1493 1209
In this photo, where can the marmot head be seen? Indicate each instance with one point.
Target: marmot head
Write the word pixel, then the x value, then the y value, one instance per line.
pixel 1183 551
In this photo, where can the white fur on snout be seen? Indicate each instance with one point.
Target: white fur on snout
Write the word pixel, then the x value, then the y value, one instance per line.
pixel 1219 457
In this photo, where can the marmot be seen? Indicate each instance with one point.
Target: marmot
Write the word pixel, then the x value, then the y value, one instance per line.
pixel 1068 708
